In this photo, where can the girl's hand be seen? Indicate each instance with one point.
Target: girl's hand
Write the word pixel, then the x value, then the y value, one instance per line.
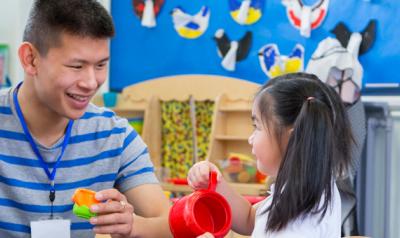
pixel 206 235
pixel 198 175
pixel 115 216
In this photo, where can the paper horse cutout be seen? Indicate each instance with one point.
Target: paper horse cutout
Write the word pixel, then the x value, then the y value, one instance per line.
pixel 339 67
pixel 232 51
pixel 306 18
pixel 274 64
pixel 188 26
pixel 147 10
pixel 343 34
pixel 246 12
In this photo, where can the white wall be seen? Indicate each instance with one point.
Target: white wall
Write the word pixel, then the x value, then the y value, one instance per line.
pixel 12 24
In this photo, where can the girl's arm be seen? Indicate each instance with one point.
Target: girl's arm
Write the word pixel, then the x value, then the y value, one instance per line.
pixel 243 214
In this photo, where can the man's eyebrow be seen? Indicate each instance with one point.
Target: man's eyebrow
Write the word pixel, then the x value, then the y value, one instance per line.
pixel 85 61
pixel 105 59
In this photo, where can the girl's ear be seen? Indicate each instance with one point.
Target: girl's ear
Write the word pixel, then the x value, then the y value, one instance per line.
pixel 28 56
pixel 285 137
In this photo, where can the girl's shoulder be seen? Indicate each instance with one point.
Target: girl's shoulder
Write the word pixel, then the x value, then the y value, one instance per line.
pixel 317 224
pixel 311 225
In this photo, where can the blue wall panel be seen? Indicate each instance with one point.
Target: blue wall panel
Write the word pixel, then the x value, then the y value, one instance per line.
pixel 139 54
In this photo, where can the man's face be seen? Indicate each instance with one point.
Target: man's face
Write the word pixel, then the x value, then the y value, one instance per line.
pixel 69 75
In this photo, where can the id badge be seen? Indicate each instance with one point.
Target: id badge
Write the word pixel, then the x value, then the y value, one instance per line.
pixel 51 228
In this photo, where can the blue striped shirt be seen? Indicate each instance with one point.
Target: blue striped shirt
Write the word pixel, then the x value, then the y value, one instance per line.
pixel 103 152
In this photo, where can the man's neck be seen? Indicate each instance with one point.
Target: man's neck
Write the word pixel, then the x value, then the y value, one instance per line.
pixel 46 126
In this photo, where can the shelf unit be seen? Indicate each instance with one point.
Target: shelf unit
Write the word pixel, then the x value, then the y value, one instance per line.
pixel 242 188
pixel 231 128
pixel 231 124
pixel 149 110
pixel 230 131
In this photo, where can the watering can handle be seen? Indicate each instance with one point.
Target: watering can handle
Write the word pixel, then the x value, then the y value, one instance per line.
pixel 212 182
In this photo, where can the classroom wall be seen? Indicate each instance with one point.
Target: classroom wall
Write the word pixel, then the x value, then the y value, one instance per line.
pixel 141 53
pixel 13 17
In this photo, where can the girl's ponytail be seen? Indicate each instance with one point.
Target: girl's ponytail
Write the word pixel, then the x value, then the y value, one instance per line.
pixel 317 149
pixel 305 173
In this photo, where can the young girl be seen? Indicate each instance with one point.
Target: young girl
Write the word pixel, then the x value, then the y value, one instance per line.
pixel 302 138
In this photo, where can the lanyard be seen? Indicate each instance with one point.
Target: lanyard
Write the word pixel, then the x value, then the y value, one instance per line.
pixel 51 175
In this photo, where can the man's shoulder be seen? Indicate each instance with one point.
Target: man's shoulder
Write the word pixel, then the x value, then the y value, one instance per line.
pixel 102 118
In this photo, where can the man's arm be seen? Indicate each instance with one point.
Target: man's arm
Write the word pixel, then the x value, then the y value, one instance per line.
pixel 151 209
pixel 140 212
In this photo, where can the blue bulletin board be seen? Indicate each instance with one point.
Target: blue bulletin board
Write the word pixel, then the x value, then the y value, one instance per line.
pixel 139 53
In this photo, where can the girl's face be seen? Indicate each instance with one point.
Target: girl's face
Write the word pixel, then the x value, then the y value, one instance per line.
pixel 265 146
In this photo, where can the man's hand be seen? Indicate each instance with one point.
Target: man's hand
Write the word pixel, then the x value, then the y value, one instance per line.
pixel 114 216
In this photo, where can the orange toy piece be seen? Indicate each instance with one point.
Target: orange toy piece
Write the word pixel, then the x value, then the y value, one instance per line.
pixel 85 197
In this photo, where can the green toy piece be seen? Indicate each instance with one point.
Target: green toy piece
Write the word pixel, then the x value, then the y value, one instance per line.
pixel 83 199
pixel 83 211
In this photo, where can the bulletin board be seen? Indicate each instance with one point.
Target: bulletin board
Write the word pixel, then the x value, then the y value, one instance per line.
pixel 139 53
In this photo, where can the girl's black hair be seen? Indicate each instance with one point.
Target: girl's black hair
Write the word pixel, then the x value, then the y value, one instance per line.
pixel 318 148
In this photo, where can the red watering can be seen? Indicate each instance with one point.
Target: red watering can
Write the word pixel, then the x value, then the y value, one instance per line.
pixel 200 212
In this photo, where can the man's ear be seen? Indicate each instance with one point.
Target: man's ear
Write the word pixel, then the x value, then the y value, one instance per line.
pixel 28 56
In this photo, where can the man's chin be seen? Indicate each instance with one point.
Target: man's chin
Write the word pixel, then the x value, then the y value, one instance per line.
pixel 75 115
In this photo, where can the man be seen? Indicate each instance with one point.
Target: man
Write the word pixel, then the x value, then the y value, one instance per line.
pixel 53 141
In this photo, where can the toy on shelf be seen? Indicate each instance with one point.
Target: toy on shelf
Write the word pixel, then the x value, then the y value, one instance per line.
pixel 241 168
pixel 83 199
pixel 137 124
pixel 110 99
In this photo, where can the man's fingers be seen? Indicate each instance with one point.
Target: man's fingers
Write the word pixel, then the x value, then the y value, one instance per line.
pixel 112 194
pixel 112 207
pixel 113 229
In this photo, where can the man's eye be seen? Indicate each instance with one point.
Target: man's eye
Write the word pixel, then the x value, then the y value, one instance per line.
pixel 102 65
pixel 74 66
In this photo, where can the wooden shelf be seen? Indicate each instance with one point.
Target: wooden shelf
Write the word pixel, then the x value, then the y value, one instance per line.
pixel 231 138
pixel 128 110
pixel 176 188
pixel 235 109
pixel 255 189
pixel 242 188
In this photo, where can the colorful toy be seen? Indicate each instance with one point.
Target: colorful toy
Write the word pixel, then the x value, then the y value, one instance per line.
pixel 137 124
pixel 110 99
pixel 241 168
pixel 83 199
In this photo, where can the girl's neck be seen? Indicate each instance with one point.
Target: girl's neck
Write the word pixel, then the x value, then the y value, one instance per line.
pixel 45 125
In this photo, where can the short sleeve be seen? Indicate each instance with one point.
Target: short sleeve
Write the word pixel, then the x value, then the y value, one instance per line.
pixel 136 167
